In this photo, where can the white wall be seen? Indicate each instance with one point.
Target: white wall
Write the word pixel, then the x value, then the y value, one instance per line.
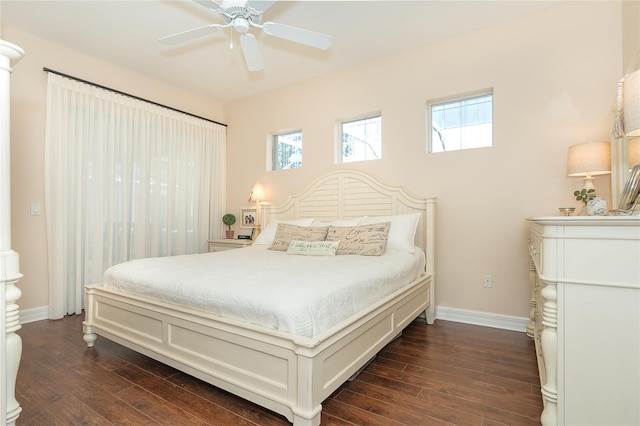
pixel 630 35
pixel 554 75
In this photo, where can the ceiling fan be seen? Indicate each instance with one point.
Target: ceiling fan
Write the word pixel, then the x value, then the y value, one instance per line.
pixel 241 16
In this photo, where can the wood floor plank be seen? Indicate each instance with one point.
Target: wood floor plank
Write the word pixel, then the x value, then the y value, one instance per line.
pixel 463 354
pixel 386 407
pixel 344 412
pixel 104 378
pixel 472 378
pixel 328 420
pixel 158 409
pixel 242 408
pixel 87 394
pixel 182 398
pixel 433 378
pixel 446 373
pixel 452 364
pixel 406 403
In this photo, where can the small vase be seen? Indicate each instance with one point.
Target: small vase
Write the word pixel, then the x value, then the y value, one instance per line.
pixel 229 235
pixel 597 207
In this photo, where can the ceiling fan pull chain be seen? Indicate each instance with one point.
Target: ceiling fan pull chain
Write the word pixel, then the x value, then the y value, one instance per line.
pixel 231 39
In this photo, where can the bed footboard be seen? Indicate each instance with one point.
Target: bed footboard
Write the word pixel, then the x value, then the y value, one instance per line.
pixel 287 374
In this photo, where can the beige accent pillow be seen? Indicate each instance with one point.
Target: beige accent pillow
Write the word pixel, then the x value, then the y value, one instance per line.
pixel 269 232
pixel 287 233
pixel 364 240
pixel 313 248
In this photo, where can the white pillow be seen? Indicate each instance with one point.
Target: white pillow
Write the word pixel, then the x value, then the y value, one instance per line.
pixel 268 234
pixel 402 232
pixel 313 248
pixel 344 222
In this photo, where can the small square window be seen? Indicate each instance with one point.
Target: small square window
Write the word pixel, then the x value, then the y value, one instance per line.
pixel 286 150
pixel 461 123
pixel 361 139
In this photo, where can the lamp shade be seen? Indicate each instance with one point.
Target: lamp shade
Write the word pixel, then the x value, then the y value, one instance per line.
pixel 589 159
pixel 632 104
pixel 257 192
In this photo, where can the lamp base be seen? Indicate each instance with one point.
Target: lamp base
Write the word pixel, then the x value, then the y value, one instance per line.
pixel 588 183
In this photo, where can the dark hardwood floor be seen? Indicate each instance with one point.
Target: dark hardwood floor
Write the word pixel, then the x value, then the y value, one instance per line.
pixel 447 373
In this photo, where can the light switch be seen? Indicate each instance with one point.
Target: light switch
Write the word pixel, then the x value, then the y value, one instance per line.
pixel 36 209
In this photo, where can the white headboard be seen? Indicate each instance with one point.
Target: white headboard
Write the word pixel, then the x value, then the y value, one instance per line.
pixel 345 194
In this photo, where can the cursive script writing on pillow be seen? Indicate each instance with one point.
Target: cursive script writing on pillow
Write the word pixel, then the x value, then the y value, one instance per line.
pixel 364 240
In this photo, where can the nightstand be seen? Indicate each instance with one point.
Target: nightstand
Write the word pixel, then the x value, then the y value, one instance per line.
pixel 228 244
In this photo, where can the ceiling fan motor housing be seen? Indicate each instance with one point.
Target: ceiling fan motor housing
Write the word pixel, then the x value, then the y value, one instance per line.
pixel 234 7
pixel 241 25
pixel 237 14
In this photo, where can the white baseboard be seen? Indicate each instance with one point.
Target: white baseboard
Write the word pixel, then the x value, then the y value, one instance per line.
pixel 34 314
pixel 486 319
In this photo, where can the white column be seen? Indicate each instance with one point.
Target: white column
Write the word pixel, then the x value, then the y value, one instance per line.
pixel 549 342
pixel 10 342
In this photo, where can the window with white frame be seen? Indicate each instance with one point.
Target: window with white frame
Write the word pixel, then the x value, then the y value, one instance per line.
pixel 286 150
pixel 462 122
pixel 361 139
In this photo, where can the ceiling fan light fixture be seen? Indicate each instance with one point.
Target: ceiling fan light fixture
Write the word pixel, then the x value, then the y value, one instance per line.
pixel 241 25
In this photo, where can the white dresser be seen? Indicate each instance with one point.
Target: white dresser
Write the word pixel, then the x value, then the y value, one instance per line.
pixel 585 318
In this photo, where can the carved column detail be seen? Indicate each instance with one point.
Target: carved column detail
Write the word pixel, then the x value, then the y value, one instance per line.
pixel 10 342
pixel 532 299
pixel 549 342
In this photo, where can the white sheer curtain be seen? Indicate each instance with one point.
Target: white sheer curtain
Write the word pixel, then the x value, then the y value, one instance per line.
pixel 124 179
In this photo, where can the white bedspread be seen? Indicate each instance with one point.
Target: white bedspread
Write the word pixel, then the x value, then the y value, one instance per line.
pixel 301 295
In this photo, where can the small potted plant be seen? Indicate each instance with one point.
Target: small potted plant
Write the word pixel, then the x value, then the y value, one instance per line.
pixel 229 219
pixel 585 195
pixel 593 205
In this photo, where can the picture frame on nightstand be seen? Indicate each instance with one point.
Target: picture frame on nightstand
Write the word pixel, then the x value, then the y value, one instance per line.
pixel 248 218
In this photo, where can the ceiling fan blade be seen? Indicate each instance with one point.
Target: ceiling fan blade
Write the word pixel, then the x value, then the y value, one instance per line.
pixel 298 35
pixel 251 51
pixel 191 34
pixel 258 6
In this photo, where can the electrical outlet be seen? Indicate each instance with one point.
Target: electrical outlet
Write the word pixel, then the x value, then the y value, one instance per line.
pixel 36 209
pixel 487 281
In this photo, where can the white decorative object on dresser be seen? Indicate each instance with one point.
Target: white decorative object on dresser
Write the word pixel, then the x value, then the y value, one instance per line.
pixel 227 244
pixel 585 318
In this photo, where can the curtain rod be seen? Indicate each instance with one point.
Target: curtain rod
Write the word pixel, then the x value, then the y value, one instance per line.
pixel 129 95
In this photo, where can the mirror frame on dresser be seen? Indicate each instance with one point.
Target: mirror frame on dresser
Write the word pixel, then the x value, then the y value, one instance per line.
pixel 619 168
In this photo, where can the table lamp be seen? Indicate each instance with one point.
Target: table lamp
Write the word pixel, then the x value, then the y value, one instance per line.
pixel 588 160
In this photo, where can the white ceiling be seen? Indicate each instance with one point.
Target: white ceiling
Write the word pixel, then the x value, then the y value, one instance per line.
pixel 125 33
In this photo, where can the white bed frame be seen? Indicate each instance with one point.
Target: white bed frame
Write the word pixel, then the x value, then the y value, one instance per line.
pixel 288 374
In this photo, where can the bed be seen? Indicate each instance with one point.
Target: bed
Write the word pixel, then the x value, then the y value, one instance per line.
pixel 292 371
